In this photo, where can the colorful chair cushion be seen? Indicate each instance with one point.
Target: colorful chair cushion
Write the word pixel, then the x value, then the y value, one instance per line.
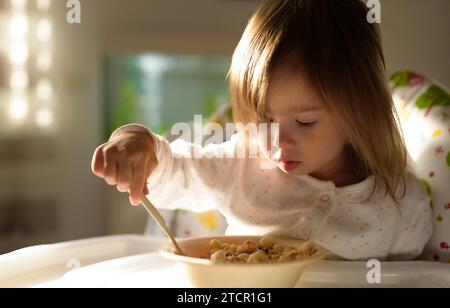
pixel 424 111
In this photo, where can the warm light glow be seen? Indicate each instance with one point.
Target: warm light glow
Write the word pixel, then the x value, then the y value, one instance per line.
pixel 44 117
pixel 19 54
pixel 44 90
pixel 18 26
pixel 44 60
pixel 19 80
pixel 43 5
pixel 44 30
pixel 18 4
pixel 18 108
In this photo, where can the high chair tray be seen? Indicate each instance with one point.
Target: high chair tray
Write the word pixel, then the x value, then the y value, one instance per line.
pixel 133 261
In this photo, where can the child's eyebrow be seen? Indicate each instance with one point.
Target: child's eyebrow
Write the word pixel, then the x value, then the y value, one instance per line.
pixel 298 109
pixel 308 108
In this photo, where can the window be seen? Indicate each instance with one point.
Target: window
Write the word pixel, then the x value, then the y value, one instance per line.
pixel 160 90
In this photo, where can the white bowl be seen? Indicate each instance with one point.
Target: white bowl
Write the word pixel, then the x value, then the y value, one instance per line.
pixel 203 273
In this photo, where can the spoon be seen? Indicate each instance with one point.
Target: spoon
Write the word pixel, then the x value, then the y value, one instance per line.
pixel 160 220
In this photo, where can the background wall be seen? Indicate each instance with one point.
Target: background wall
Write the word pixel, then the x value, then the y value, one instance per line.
pixel 416 35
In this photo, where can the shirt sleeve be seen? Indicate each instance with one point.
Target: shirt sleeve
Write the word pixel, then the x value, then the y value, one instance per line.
pixel 189 176
pixel 413 225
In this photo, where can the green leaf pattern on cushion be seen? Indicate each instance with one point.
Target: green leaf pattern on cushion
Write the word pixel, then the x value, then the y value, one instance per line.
pixel 434 96
pixel 427 186
pixel 400 79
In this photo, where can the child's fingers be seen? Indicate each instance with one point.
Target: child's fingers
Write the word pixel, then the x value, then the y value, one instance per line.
pixel 138 182
pixel 124 176
pixel 97 162
pixel 146 191
pixel 110 168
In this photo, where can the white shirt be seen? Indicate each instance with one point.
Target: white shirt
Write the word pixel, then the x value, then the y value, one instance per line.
pixel 258 201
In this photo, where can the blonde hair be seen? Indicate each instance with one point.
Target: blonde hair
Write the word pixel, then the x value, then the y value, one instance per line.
pixel 341 54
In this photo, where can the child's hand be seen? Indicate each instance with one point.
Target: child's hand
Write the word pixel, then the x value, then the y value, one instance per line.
pixel 127 161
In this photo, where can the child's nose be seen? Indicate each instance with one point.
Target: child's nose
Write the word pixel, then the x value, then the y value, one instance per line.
pixel 286 141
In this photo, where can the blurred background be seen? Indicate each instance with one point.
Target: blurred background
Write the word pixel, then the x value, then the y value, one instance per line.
pixel 65 87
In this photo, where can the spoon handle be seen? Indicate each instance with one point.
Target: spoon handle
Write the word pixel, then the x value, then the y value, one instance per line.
pixel 160 220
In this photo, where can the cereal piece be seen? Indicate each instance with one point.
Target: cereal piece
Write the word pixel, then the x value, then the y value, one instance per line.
pixel 214 250
pixel 234 259
pixel 215 244
pixel 289 251
pixel 308 249
pixel 284 258
pixel 257 257
pixel 278 248
pixel 243 256
pixel 275 257
pixel 218 257
pixel 233 248
pixel 266 242
pixel 247 247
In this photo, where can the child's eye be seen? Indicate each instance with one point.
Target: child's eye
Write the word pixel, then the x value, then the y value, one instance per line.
pixel 306 124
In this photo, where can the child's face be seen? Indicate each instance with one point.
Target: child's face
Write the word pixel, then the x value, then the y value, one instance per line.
pixel 310 141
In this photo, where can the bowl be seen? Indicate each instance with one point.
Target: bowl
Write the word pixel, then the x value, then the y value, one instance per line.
pixel 203 273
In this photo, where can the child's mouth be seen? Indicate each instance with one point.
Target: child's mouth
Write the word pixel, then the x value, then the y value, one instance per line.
pixel 288 165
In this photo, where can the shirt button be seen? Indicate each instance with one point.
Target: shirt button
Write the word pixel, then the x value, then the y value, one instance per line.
pixel 325 197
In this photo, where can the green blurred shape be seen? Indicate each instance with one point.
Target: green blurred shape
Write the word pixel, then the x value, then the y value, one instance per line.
pixel 126 108
pixel 400 79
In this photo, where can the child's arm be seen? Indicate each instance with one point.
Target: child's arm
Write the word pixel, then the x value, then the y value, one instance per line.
pixel 179 179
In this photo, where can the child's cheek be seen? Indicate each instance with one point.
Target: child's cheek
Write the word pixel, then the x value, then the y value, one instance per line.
pixel 267 147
